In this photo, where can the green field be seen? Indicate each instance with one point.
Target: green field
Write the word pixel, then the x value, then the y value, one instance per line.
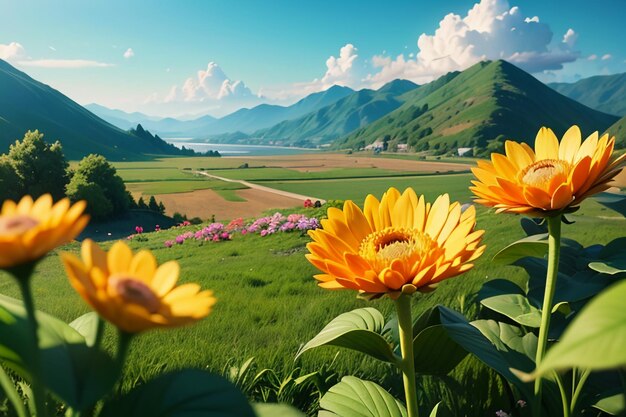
pixel 269 303
pixel 174 186
pixel 272 174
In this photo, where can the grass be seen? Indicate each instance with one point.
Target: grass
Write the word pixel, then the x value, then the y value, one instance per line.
pixel 269 303
pixel 273 174
pixel 174 186
pixel 156 174
pixel 356 189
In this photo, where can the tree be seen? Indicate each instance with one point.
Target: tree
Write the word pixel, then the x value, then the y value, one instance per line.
pixel 141 204
pixel 152 204
pixel 10 183
pixel 97 204
pixel 41 167
pixel 161 208
pixel 96 169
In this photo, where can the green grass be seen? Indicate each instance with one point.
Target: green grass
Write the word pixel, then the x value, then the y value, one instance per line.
pixel 356 189
pixel 156 174
pixel 269 303
pixel 272 174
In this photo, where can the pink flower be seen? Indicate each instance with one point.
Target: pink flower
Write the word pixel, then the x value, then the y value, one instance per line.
pixel 157 228
pixel 168 243
pixel 139 230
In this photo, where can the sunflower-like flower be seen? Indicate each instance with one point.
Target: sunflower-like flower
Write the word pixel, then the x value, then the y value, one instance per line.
pixel 554 178
pixel 30 229
pixel 398 244
pixel 131 291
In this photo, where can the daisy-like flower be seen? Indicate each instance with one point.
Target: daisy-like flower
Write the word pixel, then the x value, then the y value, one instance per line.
pixel 30 229
pixel 554 178
pixel 131 291
pixel 398 244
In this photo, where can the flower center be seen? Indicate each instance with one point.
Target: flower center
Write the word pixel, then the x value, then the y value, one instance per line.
pixel 136 292
pixel 540 173
pixel 387 245
pixel 16 225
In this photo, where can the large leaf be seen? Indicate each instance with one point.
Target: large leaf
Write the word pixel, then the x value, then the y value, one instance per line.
pixel 498 287
pixel 534 245
pixel 186 393
pixel 482 339
pixel 87 326
pixel 360 330
pixel 516 307
pixel 613 405
pixel 612 258
pixel 353 397
pixel 596 337
pixel 435 352
pixel 614 201
pixel 276 410
pixel 70 369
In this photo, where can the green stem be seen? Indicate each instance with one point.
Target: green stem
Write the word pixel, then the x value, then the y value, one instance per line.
pixel 22 275
pixel 579 389
pixel 123 343
pixel 405 326
pixel 566 408
pixel 554 249
pixel 99 333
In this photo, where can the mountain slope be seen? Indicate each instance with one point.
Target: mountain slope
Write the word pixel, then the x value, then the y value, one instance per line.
pixel 331 122
pixel 490 100
pixel 606 93
pixel 618 129
pixel 27 104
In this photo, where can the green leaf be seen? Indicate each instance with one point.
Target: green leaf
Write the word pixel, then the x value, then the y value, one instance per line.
pixel 359 330
pixel 483 339
pixel 353 397
pixel 516 307
pixel 596 337
pixel 611 268
pixel 614 201
pixel 70 369
pixel 498 287
pixel 87 326
pixel 534 245
pixel 188 393
pixel 435 352
pixel 435 410
pixel 613 405
pixel 276 410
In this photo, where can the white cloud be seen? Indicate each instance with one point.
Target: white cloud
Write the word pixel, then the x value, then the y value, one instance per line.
pixel 592 57
pixel 63 63
pixel 209 84
pixel 52 48
pixel 341 70
pixel 490 30
pixel 606 57
pixel 16 53
pixel 12 51
pixel 570 37
pixel 129 53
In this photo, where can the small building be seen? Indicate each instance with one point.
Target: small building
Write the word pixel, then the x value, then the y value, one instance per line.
pixel 463 151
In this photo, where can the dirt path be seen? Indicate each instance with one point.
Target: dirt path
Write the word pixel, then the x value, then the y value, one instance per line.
pixel 262 188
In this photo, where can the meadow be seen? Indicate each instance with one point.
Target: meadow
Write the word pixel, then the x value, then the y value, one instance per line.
pixel 269 303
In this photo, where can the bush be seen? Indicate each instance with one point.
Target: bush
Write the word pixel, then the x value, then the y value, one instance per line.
pixel 10 182
pixel 97 204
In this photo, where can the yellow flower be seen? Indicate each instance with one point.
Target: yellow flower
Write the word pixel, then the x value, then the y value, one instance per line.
pixel 399 243
pixel 29 230
pixel 131 291
pixel 552 179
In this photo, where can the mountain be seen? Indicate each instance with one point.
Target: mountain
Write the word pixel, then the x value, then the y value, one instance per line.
pixel 120 118
pixel 27 104
pixel 490 100
pixel 338 119
pixel 618 129
pixel 266 115
pixel 606 93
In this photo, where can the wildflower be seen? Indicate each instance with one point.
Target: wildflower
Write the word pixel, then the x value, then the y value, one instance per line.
pixel 168 243
pixel 501 413
pixel 138 230
pixel 131 291
pixel 399 243
pixel 552 179
pixel 30 229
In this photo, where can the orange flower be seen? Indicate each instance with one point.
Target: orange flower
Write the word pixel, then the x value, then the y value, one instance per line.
pixel 399 243
pixel 131 291
pixel 29 230
pixel 552 179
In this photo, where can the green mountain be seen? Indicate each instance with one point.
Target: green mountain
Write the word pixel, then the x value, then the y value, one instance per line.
pixel 331 122
pixel 490 100
pixel 120 118
pixel 606 93
pixel 27 104
pixel 618 129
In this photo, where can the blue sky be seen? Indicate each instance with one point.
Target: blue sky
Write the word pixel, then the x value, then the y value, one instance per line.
pixel 280 50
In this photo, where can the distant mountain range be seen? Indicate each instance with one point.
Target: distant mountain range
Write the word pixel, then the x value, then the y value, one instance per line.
pixel 606 93
pixel 243 120
pixel 27 104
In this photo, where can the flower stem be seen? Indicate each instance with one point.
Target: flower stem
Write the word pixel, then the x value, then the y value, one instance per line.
pixel 123 343
pixel 578 390
pixel 23 279
pixel 405 326
pixel 554 250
